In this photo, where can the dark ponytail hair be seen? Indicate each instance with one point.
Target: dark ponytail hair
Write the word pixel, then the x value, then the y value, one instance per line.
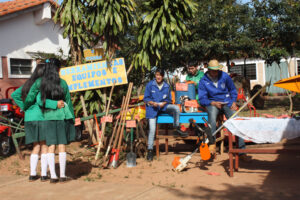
pixel 50 85
pixel 37 73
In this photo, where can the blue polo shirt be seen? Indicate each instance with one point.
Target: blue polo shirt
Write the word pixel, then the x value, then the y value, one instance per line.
pixel 224 92
pixel 153 93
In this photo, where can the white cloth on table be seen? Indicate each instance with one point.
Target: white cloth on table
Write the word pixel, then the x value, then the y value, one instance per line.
pixel 264 130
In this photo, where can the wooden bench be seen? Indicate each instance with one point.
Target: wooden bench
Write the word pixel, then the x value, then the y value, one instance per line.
pixel 168 119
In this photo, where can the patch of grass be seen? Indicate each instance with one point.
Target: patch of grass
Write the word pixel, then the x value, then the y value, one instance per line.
pixel 15 163
pixel 139 177
pixel 182 186
pixel 172 185
pixel 89 179
pixel 18 173
pixel 99 175
pixel 126 176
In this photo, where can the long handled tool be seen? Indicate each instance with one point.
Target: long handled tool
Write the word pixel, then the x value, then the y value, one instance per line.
pixel 105 164
pixel 241 108
pixel 131 156
pixel 114 147
pixel 103 124
pixel 180 163
pixel 115 157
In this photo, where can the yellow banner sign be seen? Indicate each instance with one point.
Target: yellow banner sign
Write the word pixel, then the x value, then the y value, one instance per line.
pixel 93 54
pixel 94 75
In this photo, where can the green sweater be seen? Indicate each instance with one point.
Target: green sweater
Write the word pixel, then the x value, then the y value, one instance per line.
pixel 196 79
pixel 34 112
pixel 51 114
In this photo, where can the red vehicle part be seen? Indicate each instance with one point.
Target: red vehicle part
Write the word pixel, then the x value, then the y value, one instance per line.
pixel 8 89
pixel 3 128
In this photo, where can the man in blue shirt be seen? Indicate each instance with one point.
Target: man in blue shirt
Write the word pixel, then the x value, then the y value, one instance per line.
pixel 158 99
pixel 217 93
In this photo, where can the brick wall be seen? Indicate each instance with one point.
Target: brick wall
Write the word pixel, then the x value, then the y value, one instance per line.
pixel 6 82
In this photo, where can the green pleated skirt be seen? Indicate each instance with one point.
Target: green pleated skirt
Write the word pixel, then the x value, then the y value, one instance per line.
pixel 52 131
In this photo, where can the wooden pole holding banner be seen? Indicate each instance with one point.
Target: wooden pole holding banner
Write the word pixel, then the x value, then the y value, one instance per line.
pixel 91 139
pixel 104 123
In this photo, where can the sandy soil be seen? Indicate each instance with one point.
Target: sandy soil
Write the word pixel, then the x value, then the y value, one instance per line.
pixel 265 177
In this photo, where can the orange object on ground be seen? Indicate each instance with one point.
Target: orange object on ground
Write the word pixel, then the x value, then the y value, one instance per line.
pixel 176 162
pixel 204 152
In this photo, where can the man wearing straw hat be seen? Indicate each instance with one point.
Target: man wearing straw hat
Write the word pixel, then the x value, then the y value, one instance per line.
pixel 218 94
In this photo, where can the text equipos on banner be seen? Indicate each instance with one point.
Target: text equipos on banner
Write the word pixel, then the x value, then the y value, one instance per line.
pixel 95 75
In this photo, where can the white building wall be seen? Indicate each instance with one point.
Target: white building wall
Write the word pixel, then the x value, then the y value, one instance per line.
pixel 21 35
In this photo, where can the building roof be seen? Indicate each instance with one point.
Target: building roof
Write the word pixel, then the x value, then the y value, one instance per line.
pixel 9 7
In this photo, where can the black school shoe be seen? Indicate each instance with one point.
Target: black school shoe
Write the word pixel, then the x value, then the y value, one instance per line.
pixel 64 179
pixel 33 178
pixel 44 178
pixel 53 180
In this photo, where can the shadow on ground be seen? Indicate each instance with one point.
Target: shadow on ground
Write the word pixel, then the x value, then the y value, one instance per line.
pixel 76 168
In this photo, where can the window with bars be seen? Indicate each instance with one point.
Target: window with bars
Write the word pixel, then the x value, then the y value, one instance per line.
pixel 250 70
pixel 20 66
pixel 298 66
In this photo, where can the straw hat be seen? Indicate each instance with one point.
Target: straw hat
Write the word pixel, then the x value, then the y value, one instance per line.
pixel 214 65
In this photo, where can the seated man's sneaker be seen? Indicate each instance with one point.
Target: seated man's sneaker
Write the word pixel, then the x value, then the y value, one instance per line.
pixel 150 155
pixel 181 133
pixel 212 148
pixel 245 158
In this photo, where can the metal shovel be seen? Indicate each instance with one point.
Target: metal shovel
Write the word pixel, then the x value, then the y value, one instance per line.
pixel 131 157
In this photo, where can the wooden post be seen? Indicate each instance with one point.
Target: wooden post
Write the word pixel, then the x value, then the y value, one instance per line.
pixel 222 142
pixel 230 154
pixel 91 139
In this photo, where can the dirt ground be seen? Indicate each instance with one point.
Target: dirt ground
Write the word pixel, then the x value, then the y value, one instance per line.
pixel 267 176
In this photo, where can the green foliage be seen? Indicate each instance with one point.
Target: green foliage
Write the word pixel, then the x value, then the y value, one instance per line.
pixel 94 102
pixel 163 28
pixel 71 15
pixel 219 31
pixel 110 21
pixel 276 27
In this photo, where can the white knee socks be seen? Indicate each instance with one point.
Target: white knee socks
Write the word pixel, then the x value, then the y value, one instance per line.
pixel 62 164
pixel 34 158
pixel 44 165
pixel 51 163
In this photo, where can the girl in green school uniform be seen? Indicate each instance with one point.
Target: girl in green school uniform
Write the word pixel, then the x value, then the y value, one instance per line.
pixel 58 125
pixel 33 117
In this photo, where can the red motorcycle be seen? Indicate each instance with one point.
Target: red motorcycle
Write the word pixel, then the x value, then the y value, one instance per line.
pixel 10 113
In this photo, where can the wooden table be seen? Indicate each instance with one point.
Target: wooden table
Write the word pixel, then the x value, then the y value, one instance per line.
pixel 234 153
